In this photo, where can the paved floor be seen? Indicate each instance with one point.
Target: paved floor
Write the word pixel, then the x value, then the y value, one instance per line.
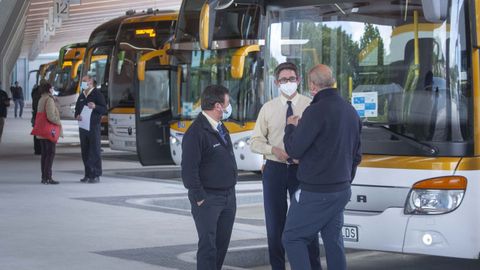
pixel 136 218
pixel 125 222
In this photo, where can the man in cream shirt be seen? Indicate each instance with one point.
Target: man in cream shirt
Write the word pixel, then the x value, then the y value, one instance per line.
pixel 279 174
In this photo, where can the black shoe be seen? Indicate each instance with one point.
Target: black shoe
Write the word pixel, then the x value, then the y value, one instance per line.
pixel 52 182
pixel 93 180
pixel 45 181
pixel 84 179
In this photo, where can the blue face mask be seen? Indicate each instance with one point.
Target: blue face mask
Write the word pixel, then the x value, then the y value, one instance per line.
pixel 227 112
pixel 84 85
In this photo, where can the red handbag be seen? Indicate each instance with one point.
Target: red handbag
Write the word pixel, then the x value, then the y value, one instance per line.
pixel 45 128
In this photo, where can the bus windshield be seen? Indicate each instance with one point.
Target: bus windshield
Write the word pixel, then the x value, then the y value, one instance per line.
pixel 64 84
pixel 134 40
pixel 98 58
pixel 237 22
pixel 402 68
pixel 202 68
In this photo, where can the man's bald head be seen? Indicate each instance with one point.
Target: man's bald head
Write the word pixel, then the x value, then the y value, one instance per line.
pixel 320 77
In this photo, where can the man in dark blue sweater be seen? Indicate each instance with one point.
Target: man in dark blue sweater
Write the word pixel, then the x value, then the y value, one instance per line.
pixel 209 172
pixel 90 140
pixel 326 141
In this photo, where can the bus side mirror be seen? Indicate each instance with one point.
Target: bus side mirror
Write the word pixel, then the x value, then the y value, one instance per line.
pixel 435 11
pixel 207 24
pixel 475 25
pixel 141 70
pixel 75 69
pixel 238 60
pixel 141 64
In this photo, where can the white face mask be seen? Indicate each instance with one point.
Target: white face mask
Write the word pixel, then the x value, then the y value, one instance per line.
pixel 84 85
pixel 227 112
pixel 288 88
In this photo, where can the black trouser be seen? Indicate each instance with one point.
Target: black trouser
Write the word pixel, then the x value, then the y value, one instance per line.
pixel 37 148
pixel 90 144
pixel 48 154
pixel 214 222
pixel 19 103
pixel 278 179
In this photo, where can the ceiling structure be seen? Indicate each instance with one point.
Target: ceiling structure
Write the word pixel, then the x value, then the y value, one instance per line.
pixel 83 18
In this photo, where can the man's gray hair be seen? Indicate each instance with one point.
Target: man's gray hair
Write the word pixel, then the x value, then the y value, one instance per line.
pixel 321 76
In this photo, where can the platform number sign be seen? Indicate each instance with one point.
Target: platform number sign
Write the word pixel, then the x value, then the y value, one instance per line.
pixel 61 9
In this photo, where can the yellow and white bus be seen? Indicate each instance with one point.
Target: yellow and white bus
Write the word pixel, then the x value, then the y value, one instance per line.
pixel 231 58
pixel 66 80
pixel 137 35
pixel 98 55
pixel 47 71
pixel 412 70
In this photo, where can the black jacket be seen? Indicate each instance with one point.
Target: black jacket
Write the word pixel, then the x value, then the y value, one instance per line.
pixel 3 103
pixel 17 92
pixel 207 162
pixel 100 107
pixel 327 143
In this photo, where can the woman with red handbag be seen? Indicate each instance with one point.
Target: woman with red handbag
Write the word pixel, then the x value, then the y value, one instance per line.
pixel 46 105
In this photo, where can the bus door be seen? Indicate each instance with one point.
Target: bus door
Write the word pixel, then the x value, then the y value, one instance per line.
pixel 152 109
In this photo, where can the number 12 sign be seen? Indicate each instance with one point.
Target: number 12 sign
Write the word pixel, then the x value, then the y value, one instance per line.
pixel 61 9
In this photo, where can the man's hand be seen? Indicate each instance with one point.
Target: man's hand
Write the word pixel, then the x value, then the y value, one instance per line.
pixel 280 154
pixel 79 117
pixel 200 202
pixel 293 120
pixel 91 105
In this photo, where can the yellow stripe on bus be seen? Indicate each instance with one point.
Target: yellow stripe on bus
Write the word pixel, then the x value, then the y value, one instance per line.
pixel 231 126
pixel 408 162
pixel 123 110
pixel 476 98
pixel 421 163
pixel 152 18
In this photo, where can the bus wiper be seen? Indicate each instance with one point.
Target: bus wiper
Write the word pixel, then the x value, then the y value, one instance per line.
pixel 430 150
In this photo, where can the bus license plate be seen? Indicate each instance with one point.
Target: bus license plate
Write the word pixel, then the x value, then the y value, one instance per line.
pixel 350 233
pixel 130 144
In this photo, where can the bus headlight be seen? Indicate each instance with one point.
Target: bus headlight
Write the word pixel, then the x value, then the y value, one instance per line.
pixel 242 143
pixel 174 141
pixel 436 196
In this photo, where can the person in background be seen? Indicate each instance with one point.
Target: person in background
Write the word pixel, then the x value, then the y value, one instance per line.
pixel 280 171
pixel 90 140
pixel 35 98
pixel 209 172
pixel 46 104
pixel 4 104
pixel 327 142
pixel 18 99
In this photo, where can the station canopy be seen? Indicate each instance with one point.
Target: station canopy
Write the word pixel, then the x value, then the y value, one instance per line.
pixel 83 16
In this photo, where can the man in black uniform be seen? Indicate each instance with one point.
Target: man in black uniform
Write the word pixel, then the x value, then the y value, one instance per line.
pixel 209 172
pixel 90 140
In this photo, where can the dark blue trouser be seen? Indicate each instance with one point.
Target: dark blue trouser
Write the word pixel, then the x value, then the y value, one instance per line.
pixel 278 179
pixel 19 103
pixel 214 222
pixel 90 144
pixel 316 212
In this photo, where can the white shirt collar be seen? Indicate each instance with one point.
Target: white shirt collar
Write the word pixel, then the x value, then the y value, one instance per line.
pixel 294 100
pixel 88 91
pixel 212 121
